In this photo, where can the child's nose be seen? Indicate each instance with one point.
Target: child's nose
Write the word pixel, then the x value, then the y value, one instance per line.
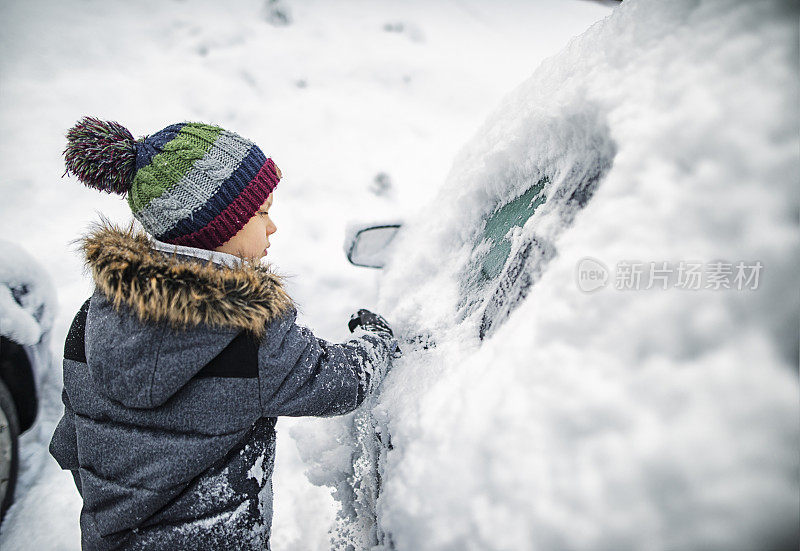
pixel 271 227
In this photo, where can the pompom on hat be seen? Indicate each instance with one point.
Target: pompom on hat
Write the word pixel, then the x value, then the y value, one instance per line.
pixel 189 184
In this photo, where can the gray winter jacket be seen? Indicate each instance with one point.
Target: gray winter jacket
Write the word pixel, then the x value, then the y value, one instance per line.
pixel 174 372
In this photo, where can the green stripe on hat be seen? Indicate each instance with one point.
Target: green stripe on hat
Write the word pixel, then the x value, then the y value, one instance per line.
pixel 167 168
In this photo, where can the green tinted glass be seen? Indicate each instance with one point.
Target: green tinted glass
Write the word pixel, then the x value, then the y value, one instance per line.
pixel 511 215
pixel 488 266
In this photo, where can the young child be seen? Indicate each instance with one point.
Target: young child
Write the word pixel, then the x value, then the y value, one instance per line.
pixel 177 366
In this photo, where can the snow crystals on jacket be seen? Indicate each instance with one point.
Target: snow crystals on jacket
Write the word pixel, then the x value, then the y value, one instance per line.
pixel 174 372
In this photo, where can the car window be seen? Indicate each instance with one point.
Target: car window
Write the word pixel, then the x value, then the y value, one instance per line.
pixel 498 225
pixel 496 283
pixel 492 246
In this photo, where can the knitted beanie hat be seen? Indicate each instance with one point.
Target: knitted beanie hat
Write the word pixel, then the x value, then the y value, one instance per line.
pixel 189 184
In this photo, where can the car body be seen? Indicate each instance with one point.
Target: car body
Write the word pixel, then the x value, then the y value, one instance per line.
pixel 27 307
pixel 534 411
pixel 505 253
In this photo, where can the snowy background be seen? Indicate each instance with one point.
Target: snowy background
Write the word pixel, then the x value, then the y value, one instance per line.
pixel 363 105
pixel 659 419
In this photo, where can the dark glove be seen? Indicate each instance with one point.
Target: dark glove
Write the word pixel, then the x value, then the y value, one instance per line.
pixel 369 321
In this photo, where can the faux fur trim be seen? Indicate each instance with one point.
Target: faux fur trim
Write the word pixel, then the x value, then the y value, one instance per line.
pixel 162 287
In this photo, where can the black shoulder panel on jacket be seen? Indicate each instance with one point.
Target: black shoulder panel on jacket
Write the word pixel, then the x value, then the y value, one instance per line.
pixel 75 345
pixel 237 360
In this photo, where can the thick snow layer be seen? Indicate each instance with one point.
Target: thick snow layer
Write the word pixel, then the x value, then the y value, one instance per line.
pixel 362 105
pixel 641 419
pixel 27 296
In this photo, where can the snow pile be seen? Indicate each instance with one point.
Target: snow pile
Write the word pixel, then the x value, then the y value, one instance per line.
pixel 642 419
pixel 27 296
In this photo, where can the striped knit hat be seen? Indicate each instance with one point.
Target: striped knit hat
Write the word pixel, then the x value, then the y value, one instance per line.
pixel 189 184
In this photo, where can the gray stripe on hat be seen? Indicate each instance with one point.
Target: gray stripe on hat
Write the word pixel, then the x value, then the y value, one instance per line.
pixel 197 186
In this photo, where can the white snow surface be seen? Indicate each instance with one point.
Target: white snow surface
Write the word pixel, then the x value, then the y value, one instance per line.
pixel 659 419
pixel 256 472
pixel 650 419
pixel 343 93
pixel 25 321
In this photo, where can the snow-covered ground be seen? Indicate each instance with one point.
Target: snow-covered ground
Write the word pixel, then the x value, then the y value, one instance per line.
pixel 337 93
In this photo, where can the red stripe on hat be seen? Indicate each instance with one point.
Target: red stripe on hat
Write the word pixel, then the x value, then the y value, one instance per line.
pixel 228 223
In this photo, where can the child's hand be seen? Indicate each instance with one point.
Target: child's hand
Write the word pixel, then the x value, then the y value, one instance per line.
pixel 369 321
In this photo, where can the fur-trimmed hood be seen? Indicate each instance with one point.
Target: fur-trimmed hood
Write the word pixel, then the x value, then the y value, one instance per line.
pixel 184 292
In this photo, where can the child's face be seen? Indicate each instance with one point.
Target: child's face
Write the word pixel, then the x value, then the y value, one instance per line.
pixel 252 240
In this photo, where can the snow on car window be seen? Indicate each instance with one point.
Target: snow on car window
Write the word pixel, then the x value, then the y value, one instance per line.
pixel 493 247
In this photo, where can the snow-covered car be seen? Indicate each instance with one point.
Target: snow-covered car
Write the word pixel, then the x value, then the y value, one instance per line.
pixel 27 308
pixel 599 309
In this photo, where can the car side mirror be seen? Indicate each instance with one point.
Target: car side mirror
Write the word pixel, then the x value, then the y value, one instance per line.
pixel 369 246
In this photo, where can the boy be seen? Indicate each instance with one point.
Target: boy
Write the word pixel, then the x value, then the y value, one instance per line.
pixel 178 365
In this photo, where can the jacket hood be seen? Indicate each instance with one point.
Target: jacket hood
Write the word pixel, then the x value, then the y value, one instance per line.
pixel 180 290
pixel 157 318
